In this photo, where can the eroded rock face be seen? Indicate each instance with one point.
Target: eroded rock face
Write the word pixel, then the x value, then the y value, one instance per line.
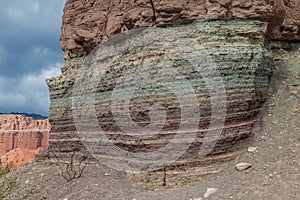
pixel 237 49
pixel 87 23
pixel 21 138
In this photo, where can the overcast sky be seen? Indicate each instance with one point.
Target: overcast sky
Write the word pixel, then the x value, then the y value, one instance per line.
pixel 29 53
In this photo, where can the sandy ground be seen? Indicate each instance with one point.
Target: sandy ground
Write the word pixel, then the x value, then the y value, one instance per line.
pixel 275 171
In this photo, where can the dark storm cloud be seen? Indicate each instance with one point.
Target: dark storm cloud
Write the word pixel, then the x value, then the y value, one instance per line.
pixel 29 53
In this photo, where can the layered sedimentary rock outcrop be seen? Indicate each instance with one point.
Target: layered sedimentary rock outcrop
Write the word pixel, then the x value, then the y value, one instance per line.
pixel 87 23
pixel 21 138
pixel 243 62
pixel 230 34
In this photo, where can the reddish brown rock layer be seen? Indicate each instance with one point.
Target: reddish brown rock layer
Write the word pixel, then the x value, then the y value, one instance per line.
pixel 21 138
pixel 17 157
pixel 87 23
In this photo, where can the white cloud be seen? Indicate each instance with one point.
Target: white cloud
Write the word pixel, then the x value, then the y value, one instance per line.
pixel 36 6
pixel 15 13
pixel 30 91
pixel 29 41
pixel 31 37
pixel 38 50
pixel 52 71
pixel 32 14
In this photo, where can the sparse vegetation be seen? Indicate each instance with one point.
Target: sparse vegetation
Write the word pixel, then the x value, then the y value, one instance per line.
pixel 4 170
pixel 6 186
pixel 73 166
pixel 31 193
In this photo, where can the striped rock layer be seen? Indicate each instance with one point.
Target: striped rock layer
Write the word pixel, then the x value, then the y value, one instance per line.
pixel 103 127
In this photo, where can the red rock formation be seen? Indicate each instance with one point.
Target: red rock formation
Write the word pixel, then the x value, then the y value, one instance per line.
pixel 88 23
pixel 18 157
pixel 21 138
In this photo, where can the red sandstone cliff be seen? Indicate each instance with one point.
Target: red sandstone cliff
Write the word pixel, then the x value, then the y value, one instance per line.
pixel 21 138
pixel 87 23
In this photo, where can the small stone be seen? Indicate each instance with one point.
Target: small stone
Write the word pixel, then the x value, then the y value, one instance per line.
pixel 27 181
pixel 209 192
pixel 296 110
pixel 294 92
pixel 252 149
pixel 271 175
pixel 66 199
pixel 279 148
pixel 107 174
pixel 243 166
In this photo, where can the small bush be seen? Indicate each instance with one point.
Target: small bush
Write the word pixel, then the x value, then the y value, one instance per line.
pixel 5 170
pixel 71 167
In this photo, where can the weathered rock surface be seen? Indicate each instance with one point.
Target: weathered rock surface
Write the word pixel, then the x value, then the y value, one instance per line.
pixel 21 138
pixel 236 48
pixel 88 23
pixel 284 20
